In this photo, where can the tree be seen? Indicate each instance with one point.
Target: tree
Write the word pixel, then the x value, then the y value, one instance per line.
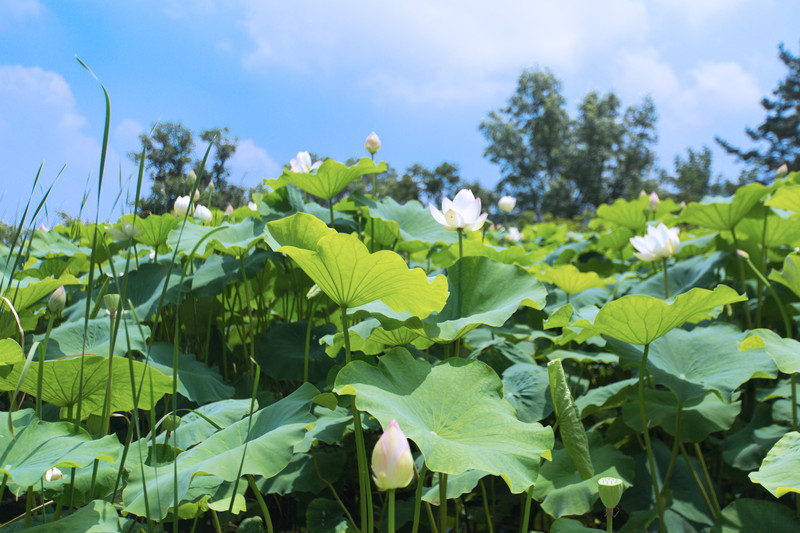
pixel 565 166
pixel 693 177
pixel 778 137
pixel 528 138
pixel 169 150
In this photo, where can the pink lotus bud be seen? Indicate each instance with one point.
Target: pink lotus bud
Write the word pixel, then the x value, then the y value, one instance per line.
pixel 229 209
pixel 782 171
pixel 392 463
pixel 642 193
pixel 654 201
pixel 373 143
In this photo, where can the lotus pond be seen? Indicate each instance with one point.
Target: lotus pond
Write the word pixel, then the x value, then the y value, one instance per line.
pixel 235 371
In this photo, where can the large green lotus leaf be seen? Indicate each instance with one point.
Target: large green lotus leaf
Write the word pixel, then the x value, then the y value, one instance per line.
pixel 628 214
pixel 490 293
pixel 195 428
pixel 527 388
pixel 96 517
pixel 219 270
pixel 326 516
pixel 24 293
pixel 564 491
pixel 371 338
pixel 571 280
pixel 785 352
pixel 62 385
pixel 281 351
pixel 684 275
pixel 787 197
pixel 38 446
pixel 774 231
pixel 10 352
pixel 509 255
pixel 68 339
pixel 145 285
pixel 584 357
pixel 605 397
pixel 456 486
pixel 412 221
pixel 54 244
pixel 233 239
pixel 699 417
pixel 615 239
pixel 211 492
pixel 567 525
pixel 454 412
pixel 344 269
pixel 790 275
pixel 196 381
pixel 265 441
pixel 330 178
pixel 156 228
pixel 780 470
pixel 745 449
pixel 745 514
pixel 640 319
pixel 691 363
pixel 300 475
pixel 724 213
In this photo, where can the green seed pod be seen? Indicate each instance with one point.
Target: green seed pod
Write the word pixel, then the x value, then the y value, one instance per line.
pixel 171 423
pixel 112 302
pixel 58 300
pixel 611 490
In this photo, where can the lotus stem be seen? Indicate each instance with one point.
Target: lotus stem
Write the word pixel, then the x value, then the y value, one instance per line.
pixel 417 496
pixel 666 278
pixel 703 467
pixel 489 526
pixel 526 513
pixel 391 510
pixel 42 352
pixel 442 501
pixel 308 342
pixel 261 503
pixel 698 483
pixel 743 278
pixel 645 431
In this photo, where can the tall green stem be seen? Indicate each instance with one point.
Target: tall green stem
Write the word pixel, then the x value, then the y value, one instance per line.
pixel 261 503
pixel 666 279
pixel 743 278
pixel 489 526
pixel 707 477
pixel 391 511
pixel 330 205
pixel 460 255
pixel 442 501
pixel 417 496
pixel 650 459
pixel 526 513
pixel 40 377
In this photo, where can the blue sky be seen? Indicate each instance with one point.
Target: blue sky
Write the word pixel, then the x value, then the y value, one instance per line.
pixel 320 76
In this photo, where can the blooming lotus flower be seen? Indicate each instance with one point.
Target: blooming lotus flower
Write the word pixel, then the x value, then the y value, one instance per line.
pixel 654 201
pixel 392 463
pixel 513 235
pixel 462 213
pixel 659 243
pixel 182 205
pixel 203 213
pixel 373 143
pixel 125 232
pixel 507 203
pixel 58 300
pixel 252 206
pixel 302 163
pixel 54 474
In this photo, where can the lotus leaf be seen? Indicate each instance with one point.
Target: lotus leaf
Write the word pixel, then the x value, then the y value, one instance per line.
pixel 454 412
pixel 723 214
pixel 330 178
pixel 780 470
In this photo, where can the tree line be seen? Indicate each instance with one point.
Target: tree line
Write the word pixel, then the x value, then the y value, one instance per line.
pixel 553 163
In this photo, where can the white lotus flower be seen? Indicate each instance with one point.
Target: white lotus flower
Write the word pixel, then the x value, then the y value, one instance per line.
pixel 125 232
pixel 513 235
pixel 507 203
pixel 463 212
pixel 392 462
pixel 252 206
pixel 659 243
pixel 203 213
pixel 54 474
pixel 182 205
pixel 302 163
pixel 373 143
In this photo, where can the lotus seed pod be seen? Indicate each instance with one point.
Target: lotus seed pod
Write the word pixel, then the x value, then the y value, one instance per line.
pixel 112 303
pixel 58 300
pixel 171 423
pixel 611 490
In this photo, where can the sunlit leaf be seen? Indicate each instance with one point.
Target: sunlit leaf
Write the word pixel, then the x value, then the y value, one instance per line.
pixel 780 470
pixel 724 213
pixel 329 179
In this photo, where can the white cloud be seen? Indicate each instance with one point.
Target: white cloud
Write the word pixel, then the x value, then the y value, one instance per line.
pixel 250 163
pixel 443 52
pixel 699 12
pixel 726 85
pixel 16 10
pixel 39 121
